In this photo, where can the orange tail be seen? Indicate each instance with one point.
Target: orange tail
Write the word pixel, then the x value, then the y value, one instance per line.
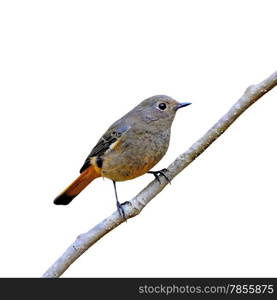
pixel 77 186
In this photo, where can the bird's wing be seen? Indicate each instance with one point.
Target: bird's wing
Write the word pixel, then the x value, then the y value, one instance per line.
pixel 106 141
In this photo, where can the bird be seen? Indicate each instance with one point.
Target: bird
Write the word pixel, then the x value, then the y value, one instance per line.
pixel 130 147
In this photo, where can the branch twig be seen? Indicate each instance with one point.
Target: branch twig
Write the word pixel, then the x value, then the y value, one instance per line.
pixel 135 206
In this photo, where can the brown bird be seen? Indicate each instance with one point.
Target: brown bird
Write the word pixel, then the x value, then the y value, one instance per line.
pixel 130 147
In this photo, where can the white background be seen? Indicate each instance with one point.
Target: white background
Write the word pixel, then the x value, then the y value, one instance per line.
pixel 68 69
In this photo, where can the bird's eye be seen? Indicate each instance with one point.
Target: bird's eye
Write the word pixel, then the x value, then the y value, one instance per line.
pixel 162 106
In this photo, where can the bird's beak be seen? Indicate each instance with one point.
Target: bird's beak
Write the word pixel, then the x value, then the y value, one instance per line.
pixel 179 105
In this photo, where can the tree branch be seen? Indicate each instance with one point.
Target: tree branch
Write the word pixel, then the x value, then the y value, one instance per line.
pixel 135 206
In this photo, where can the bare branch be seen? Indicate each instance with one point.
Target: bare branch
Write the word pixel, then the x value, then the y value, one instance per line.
pixel 135 206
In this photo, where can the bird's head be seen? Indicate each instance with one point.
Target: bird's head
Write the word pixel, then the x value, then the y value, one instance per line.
pixel 159 108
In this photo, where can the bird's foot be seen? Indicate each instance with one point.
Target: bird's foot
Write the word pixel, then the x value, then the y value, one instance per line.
pixel 121 211
pixel 162 173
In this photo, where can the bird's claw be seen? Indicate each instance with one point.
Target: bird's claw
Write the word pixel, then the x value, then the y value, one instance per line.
pixel 121 211
pixel 161 172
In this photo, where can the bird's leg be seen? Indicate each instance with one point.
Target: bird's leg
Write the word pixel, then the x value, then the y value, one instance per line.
pixel 161 172
pixel 118 205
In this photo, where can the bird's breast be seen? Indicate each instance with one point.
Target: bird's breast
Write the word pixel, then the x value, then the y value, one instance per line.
pixel 134 154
